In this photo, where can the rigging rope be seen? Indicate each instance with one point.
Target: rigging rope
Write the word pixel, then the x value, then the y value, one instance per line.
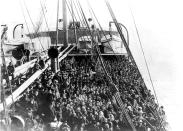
pixel 91 32
pixel 98 51
pixel 122 37
pixel 82 21
pixel 113 51
pixel 117 96
pixel 102 29
pixel 103 64
pixel 25 20
pixel 143 53
pixel 44 15
pixel 73 16
pixel 40 22
pixel 57 32
pixel 85 22
pixel 45 19
pixel 146 63
pixel 33 24
pixel 87 25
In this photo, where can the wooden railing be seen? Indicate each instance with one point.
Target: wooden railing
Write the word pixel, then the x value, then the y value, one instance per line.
pixel 15 95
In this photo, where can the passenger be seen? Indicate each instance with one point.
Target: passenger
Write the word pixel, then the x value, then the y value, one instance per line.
pixel 80 96
pixel 11 70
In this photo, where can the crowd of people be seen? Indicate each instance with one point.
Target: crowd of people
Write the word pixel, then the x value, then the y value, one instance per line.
pixel 10 82
pixel 79 97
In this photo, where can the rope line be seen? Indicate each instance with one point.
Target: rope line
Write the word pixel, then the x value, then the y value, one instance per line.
pixel 101 28
pixel 74 16
pixel 143 53
pixel 32 24
pixel 25 20
pixel 110 80
pixel 44 15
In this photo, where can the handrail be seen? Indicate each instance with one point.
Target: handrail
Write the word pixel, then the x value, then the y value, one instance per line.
pixel 24 86
pixel 66 53
pixel 63 51
pixel 15 95
pixel 23 68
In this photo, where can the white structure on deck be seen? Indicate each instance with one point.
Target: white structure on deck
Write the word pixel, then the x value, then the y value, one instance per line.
pixel 116 44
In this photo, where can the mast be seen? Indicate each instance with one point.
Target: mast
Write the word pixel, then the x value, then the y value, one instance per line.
pixel 65 30
pixel 57 63
pixel 74 24
pixel 54 61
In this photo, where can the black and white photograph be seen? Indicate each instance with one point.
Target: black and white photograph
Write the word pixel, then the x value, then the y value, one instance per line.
pixel 91 65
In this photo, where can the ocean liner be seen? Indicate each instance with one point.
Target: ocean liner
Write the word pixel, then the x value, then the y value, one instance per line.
pixel 83 79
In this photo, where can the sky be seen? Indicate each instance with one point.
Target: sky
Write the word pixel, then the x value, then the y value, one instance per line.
pixel 159 23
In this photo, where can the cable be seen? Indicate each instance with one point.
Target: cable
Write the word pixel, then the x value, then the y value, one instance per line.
pixel 103 32
pixel 25 19
pixel 97 51
pixel 119 30
pixel 83 19
pixel 57 32
pixel 124 41
pixel 73 15
pixel 76 19
pixel 117 58
pixel 111 82
pixel 142 50
pixel 44 15
pixel 102 29
pixel 45 20
pixel 92 40
pixel 39 23
pixel 89 36
pixel 32 23
pixel 77 13
pixel 144 56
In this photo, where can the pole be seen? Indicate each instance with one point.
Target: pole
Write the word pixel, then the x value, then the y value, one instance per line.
pixel 65 30
pixel 57 23
pixel 54 62
pixel 75 32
